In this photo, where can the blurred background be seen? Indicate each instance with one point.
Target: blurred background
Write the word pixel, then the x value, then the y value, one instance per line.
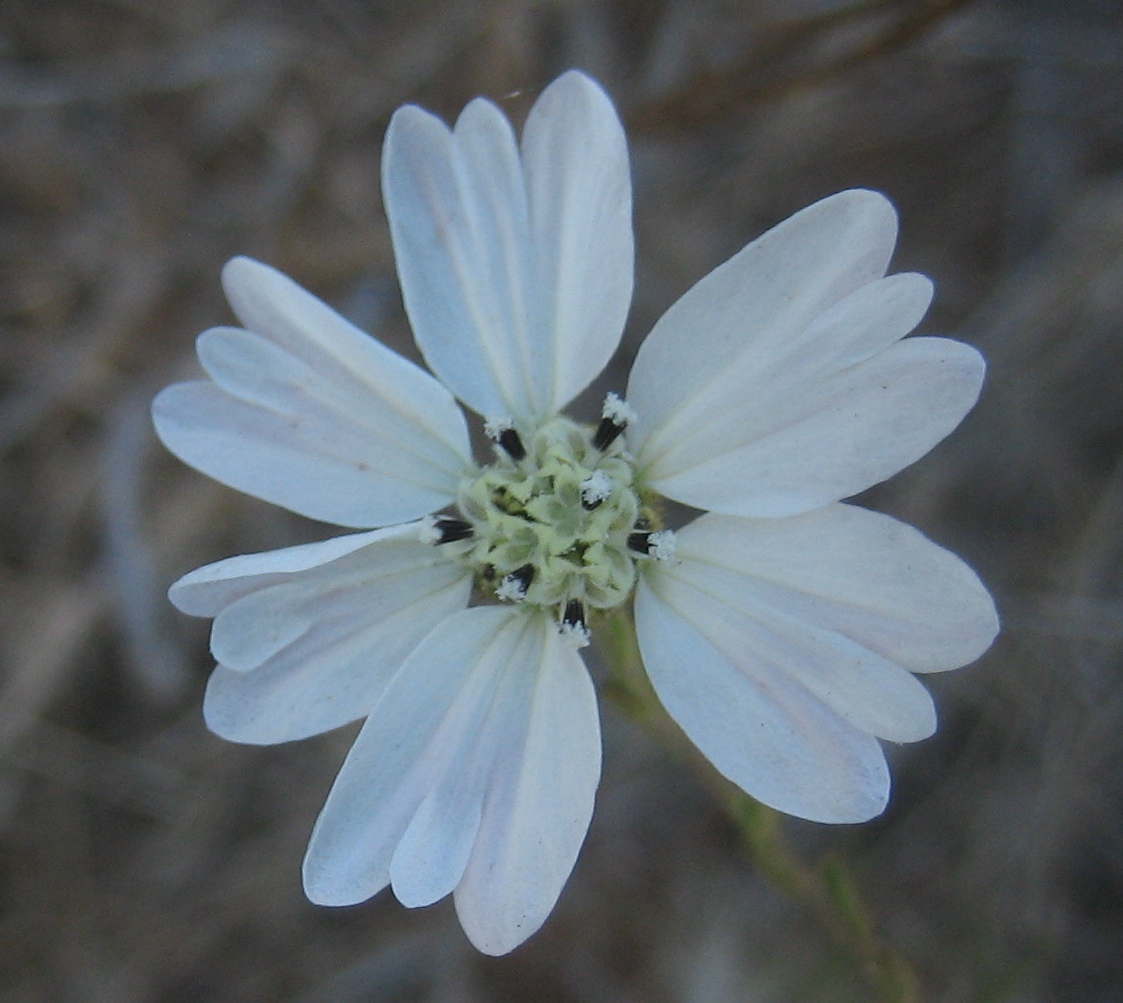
pixel 144 142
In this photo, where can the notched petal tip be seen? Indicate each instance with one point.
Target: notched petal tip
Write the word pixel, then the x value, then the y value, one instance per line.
pixel 321 889
pixel 977 624
pixel 971 361
pixel 163 405
pixel 249 284
pixel 875 206
pixel 240 270
pixel 252 630
pixel 407 115
pixel 483 115
pixel 577 83
pixel 412 132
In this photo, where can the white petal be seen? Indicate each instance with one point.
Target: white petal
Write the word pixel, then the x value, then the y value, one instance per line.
pixel 410 740
pixel 434 849
pixel 491 716
pixel 732 610
pixel 206 590
pixel 753 721
pixel 318 654
pixel 516 274
pixel 798 447
pixel 463 258
pixel 861 574
pixel 763 376
pixel 311 650
pixel 307 412
pixel 756 302
pixel 538 807
pixel 579 184
pixel 392 391
pixel 504 648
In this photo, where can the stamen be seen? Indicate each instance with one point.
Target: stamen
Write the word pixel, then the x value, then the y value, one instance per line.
pixel 502 431
pixel 514 585
pixel 574 612
pixel 595 489
pixel 615 416
pixel 662 545
pixel 639 542
pixel 659 545
pixel 572 627
pixel 444 529
pixel 616 408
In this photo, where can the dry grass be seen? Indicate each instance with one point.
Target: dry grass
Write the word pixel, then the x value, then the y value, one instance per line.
pixel 143 143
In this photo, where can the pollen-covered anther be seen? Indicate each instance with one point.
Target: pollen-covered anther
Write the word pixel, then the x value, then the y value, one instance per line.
pixel 595 489
pixel 659 545
pixel 514 585
pixel 444 529
pixel 572 626
pixel 615 417
pixel 502 431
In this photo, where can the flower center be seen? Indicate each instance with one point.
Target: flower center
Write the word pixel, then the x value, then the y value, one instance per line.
pixel 556 521
pixel 554 525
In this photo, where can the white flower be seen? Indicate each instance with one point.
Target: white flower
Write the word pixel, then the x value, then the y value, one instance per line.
pixel 781 630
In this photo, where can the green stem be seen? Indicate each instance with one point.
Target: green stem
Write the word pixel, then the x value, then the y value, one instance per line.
pixel 831 894
pixel 828 891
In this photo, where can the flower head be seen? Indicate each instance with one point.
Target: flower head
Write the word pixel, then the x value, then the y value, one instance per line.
pixel 782 629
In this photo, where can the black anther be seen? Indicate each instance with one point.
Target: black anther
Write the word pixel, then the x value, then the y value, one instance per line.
pixel 606 434
pixel 451 530
pixel 509 440
pixel 524 576
pixel 574 615
pixel 640 542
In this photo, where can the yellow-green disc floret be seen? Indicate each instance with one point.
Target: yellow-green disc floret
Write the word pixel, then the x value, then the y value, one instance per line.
pixel 556 521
